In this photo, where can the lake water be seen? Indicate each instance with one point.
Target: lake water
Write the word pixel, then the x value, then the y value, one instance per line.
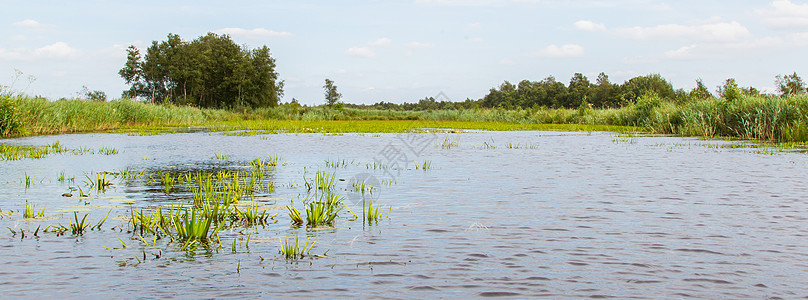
pixel 519 214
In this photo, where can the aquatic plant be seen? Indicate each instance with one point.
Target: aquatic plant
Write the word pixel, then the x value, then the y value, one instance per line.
pixel 251 216
pixel 77 227
pixel 30 211
pixel 107 151
pixel 167 182
pixel 449 143
pixel 192 226
pixel 293 250
pixel 323 211
pixel 221 156
pixel 373 213
pixel 425 165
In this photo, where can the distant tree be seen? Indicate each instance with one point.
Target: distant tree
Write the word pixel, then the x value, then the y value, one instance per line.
pixel 790 84
pixel 331 94
pixel 700 91
pixel 640 86
pixel 211 71
pixel 95 95
pixel 729 90
pixel 579 90
pixel 605 93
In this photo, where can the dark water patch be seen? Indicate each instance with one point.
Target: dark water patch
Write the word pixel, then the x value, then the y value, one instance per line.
pixel 498 294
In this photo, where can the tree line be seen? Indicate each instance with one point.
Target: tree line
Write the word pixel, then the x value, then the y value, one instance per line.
pixel 552 93
pixel 210 71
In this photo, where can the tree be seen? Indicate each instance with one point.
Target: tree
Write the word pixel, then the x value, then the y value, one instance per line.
pixel 579 90
pixel 641 86
pixel 729 90
pixel 331 94
pixel 790 84
pixel 211 71
pixel 700 91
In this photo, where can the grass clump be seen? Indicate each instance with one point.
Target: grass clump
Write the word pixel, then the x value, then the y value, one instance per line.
pixel 293 250
pixel 30 211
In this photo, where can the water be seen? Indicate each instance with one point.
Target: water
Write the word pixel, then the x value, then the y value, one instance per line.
pixel 564 215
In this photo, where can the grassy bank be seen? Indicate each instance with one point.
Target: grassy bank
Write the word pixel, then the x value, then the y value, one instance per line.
pixel 783 119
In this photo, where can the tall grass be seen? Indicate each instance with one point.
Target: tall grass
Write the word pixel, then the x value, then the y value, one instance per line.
pixel 24 115
pixel 748 117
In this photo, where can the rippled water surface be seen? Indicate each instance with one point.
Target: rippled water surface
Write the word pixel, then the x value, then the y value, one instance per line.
pixel 522 214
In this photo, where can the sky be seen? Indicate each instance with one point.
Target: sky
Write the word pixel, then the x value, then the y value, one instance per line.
pixel 403 51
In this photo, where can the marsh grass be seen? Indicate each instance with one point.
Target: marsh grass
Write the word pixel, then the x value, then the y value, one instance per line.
pixel 30 211
pixel 292 249
pixel 424 165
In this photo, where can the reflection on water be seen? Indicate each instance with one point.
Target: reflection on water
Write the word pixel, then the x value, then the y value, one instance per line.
pixel 559 215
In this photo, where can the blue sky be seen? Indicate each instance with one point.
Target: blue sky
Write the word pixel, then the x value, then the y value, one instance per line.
pixel 398 51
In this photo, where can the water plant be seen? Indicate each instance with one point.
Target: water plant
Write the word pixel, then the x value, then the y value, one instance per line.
pixel 324 210
pixel 293 250
pixel 107 151
pixel 191 226
pixel 424 165
pixel 167 182
pixel 449 143
pixel 373 213
pixel 324 181
pixel 30 211
pixel 221 156
pixel 251 216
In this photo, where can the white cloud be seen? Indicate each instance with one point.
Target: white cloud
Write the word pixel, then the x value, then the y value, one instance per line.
pixel 27 23
pixel 255 33
pixel 719 31
pixel 565 51
pixel 57 50
pixel 785 14
pixel 587 25
pixel 476 40
pixel 361 52
pixel 418 45
pixel 13 54
pixel 685 52
pixel 382 42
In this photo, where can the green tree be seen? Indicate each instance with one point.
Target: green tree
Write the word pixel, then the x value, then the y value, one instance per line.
pixel 331 94
pixel 605 93
pixel 640 86
pixel 578 91
pixel 729 90
pixel 790 84
pixel 700 91
pixel 211 71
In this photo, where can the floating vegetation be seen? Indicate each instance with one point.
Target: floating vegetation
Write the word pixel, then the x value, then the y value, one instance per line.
pixel 77 227
pixel 221 156
pixel 30 211
pixel 293 250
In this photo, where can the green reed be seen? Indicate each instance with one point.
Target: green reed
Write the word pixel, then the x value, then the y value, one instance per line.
pixel 30 211
pixel 293 250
